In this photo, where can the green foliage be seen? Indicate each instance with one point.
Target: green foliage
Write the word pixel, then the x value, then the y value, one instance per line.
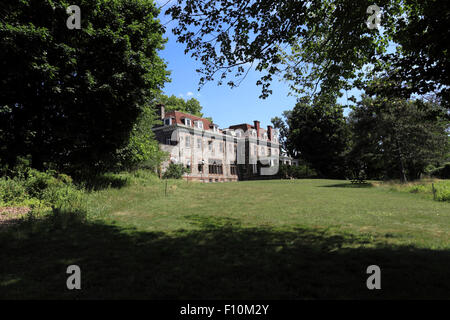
pixel 441 190
pixel 11 191
pixel 40 189
pixel 142 149
pixel 175 171
pixel 281 125
pixel 319 134
pixel 441 172
pixel 395 138
pixel 443 193
pixel 173 103
pixel 296 172
pixel 71 97
pixel 318 47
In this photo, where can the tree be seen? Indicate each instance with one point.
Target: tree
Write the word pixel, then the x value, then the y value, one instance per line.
pixel 173 103
pixel 72 97
pixel 397 138
pixel 283 130
pixel 318 131
pixel 142 148
pixel 320 47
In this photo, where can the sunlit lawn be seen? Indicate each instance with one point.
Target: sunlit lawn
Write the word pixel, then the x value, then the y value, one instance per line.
pixel 269 239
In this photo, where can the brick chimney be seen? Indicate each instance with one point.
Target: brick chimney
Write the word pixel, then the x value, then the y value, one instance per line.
pixel 160 110
pixel 256 122
pixel 269 132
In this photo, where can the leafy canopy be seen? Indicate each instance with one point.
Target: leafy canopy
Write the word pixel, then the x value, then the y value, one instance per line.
pixel 319 47
pixel 71 97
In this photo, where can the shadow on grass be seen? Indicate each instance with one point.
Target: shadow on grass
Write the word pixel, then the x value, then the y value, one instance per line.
pixel 348 185
pixel 103 181
pixel 218 260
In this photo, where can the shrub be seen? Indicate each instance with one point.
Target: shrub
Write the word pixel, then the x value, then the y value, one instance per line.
pixel 419 189
pixel 174 171
pixel 12 191
pixel 37 182
pixel 35 188
pixel 296 172
pixel 443 194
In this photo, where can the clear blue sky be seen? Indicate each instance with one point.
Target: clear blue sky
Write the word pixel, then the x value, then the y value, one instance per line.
pixel 225 105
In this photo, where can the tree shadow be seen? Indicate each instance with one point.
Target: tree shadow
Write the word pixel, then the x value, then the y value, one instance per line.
pixel 348 185
pixel 98 182
pixel 219 260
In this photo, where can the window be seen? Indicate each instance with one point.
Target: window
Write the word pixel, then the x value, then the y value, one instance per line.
pixel 200 167
pixel 255 150
pixel 233 169
pixel 199 143
pixel 221 147
pixel 215 168
pixel 255 168
pixel 167 121
pixel 168 141
pixel 210 145
pixel 265 136
pixel 188 142
pixel 238 134
pixel 198 124
pixel 187 122
pixel 253 133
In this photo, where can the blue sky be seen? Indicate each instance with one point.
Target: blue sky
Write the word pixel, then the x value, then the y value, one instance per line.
pixel 225 105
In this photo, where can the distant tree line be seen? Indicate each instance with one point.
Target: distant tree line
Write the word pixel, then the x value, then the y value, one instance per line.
pixel 383 136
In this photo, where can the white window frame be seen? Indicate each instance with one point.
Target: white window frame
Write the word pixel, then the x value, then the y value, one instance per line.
pixel 188 122
pixel 198 124
pixel 170 121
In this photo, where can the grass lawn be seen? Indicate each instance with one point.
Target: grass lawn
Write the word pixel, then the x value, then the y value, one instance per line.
pixel 289 239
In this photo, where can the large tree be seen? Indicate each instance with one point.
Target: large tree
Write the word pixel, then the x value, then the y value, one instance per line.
pixel 319 46
pixel 318 132
pixel 396 138
pixel 71 97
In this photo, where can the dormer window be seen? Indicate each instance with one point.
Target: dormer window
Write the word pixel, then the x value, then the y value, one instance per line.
pixel 168 121
pixel 198 124
pixel 238 134
pixel 253 132
pixel 215 128
pixel 265 136
pixel 188 122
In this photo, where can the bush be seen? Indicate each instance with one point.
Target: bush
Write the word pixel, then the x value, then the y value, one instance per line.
pixel 12 191
pixel 175 171
pixel 419 189
pixel 295 172
pixel 37 182
pixel 31 187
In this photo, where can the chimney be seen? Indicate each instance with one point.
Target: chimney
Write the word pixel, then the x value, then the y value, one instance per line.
pixel 160 110
pixel 256 122
pixel 269 132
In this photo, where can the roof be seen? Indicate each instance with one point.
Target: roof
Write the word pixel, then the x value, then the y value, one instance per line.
pixel 181 115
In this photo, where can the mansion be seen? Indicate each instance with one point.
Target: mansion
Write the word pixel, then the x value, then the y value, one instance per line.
pixel 211 154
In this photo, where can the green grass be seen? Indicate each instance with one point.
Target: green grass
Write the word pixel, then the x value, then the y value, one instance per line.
pixel 424 188
pixel 295 239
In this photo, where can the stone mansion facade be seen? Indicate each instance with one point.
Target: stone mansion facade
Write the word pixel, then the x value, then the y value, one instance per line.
pixel 211 154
